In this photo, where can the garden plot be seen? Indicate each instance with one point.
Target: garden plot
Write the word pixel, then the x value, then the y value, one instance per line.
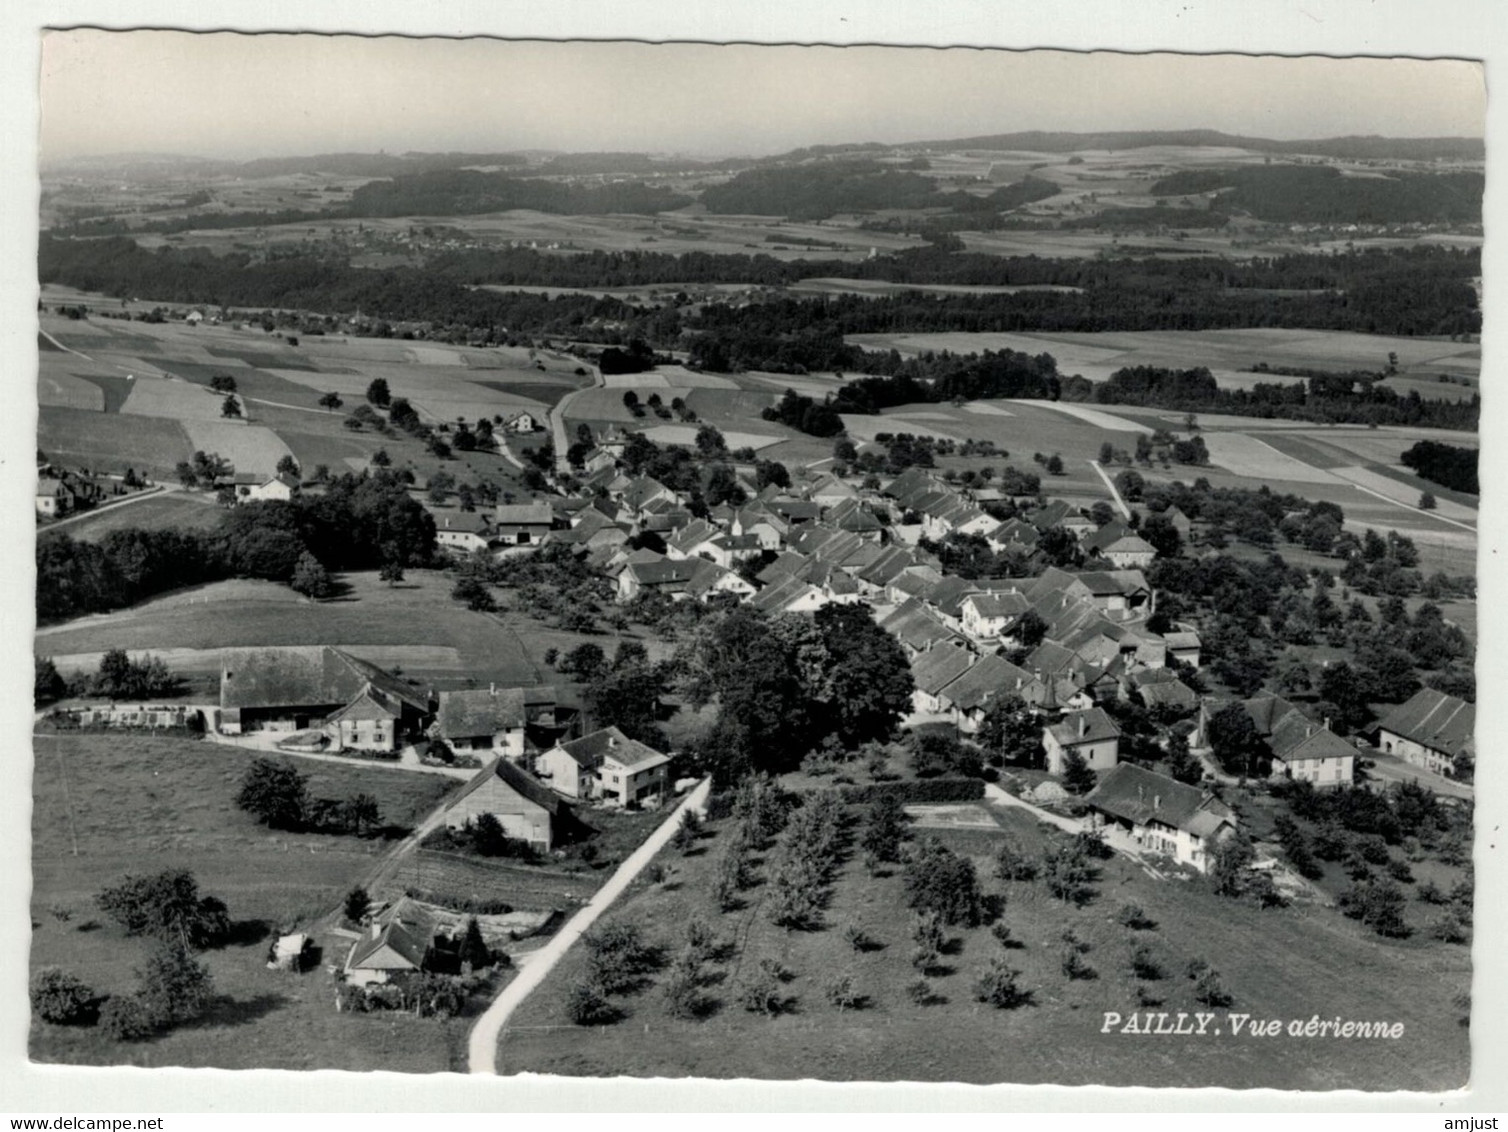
pixel 249 448
pixel 685 435
pixel 169 397
pixel 1247 456
pixel 966 816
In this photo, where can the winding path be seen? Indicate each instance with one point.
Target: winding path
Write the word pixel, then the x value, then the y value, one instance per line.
pixel 557 416
pixel 483 1046
pixel 1114 491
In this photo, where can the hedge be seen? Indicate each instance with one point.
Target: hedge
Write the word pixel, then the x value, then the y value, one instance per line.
pixel 916 791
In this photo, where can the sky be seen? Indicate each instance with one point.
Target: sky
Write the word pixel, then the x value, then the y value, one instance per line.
pixel 231 95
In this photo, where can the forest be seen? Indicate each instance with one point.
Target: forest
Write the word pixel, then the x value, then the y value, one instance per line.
pixel 1322 194
pixel 1445 464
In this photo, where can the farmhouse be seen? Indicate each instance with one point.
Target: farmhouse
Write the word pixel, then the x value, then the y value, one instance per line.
pixel 464 531
pixel 525 808
pixel 293 689
pixel 254 487
pixel 1430 730
pixel 522 524
pixel 606 764
pixel 398 941
pixel 483 719
pixel 1298 747
pixel 1121 545
pixel 521 422
pixel 1092 733
pixel 54 497
pixel 991 615
pixel 1162 814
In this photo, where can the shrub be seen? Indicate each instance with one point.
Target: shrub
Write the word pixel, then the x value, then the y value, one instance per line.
pixel 1144 963
pixel 1012 864
pixel 1209 990
pixel 586 1005
pixel 699 938
pixel 857 938
pixel 919 990
pixel 1135 917
pixel 1002 932
pixel 61 998
pixel 999 985
pixel 619 956
pixel 1431 893
pixel 357 904
pixel 1146 997
pixel 125 1018
pixel 939 880
pixel 1073 965
pixel 1196 967
pixel 1450 928
pixel 924 957
pixel 762 996
pixel 682 998
pixel 842 991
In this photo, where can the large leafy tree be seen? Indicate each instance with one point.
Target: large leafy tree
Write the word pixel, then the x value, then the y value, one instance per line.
pixel 867 684
pixel 276 792
pixel 1233 737
pixel 168 907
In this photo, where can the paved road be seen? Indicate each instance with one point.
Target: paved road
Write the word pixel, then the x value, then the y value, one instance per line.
pixel 1115 494
pixel 1390 768
pixel 558 419
pixel 483 1049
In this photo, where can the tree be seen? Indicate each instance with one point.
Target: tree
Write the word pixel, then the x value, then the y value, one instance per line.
pixel 378 393
pixel 390 572
pixel 884 828
pixel 1078 778
pixel 1107 453
pixel 1233 737
pixel 586 1005
pixel 380 458
pixel 586 661
pixel 474 950
pixel 938 880
pixel 360 813
pixel 230 407
pixel 47 685
pixel 1131 485
pixel 710 442
pixel 310 578
pixel 866 684
pixel 288 466
pixel 999 985
pixel 331 401
pixel 1229 860
pixel 222 383
pixel 175 987
pixel 1054 465
pixel 61 998
pixel 275 792
pixel 767 472
pixel 1427 502
pixel 358 902
pixel 125 1018
pixel 475 592
pixel 166 906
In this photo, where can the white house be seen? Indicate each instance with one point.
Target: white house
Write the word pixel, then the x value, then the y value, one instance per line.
pixel 1092 733
pixel 1162 814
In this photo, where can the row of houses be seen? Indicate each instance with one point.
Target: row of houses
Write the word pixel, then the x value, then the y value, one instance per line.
pixel 63 491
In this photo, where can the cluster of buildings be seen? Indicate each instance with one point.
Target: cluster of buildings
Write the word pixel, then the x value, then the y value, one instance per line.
pixel 63 491
pixel 321 698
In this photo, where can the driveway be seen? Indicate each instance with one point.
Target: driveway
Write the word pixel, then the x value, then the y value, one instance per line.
pixel 483 1051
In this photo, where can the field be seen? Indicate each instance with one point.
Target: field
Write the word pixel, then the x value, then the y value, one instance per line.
pixel 80 438
pixel 138 805
pixel 1225 352
pixel 1304 965
pixel 166 509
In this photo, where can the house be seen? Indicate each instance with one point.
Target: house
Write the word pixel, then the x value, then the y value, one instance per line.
pixel 521 422
pixel 254 487
pixel 1161 814
pixel 1313 754
pixel 969 697
pixel 606 764
pixel 990 615
pixel 1183 645
pixel 54 497
pixel 934 670
pixel 522 524
pixel 1159 687
pixel 399 940
pixel 1118 543
pixel 462 531
pixel 526 808
pixel 317 686
pixel 1092 733
pixel 483 719
pixel 1429 730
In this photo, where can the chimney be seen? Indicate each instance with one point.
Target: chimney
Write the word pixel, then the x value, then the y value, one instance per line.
pixel 1327 723
pixel 376 929
pixel 1157 801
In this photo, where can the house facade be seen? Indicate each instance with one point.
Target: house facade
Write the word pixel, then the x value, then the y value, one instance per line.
pixel 525 808
pixel 606 764
pixel 1429 730
pixel 1092 733
pixel 1161 814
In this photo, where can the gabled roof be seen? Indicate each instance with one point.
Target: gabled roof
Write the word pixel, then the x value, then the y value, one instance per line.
pixel 692 534
pixel 1008 604
pixel 1169 693
pixel 524 514
pixel 304 676
pixel 1052 515
pixel 480 711
pixel 936 668
pixel 1180 640
pixel 407 929
pixel 1090 726
pixel 787 564
pixel 916 626
pixel 1317 743
pixel 1434 720
pixel 989 679
pixel 520 781
pixel 1135 794
pixel 783 594
pixel 1050 658
pixel 589 751
pixel 466 522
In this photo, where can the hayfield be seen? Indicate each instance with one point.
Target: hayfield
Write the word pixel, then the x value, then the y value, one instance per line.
pixel 685 435
pixel 174 399
pixel 138 805
pixel 168 509
pixel 250 448
pixel 68 391
pixel 1247 456
pixel 80 437
pixel 1299 970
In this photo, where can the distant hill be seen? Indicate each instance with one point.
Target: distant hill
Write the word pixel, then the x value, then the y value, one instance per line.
pixel 1323 194
pixel 1357 148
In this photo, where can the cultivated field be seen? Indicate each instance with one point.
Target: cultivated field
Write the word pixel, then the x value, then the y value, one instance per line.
pixel 1057 1037
pixel 167 509
pixel 108 805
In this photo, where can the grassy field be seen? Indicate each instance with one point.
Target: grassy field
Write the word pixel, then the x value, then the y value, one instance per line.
pixel 81 438
pixel 136 805
pixel 1227 353
pixel 172 509
pixel 1303 965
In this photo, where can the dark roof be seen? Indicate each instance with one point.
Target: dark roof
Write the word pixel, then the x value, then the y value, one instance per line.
pixel 304 676
pixel 934 669
pixel 1433 719
pixel 1137 795
pixel 1091 726
pixel 480 711
pixel 590 750
pixel 989 679
pixel 520 781
pixel 406 928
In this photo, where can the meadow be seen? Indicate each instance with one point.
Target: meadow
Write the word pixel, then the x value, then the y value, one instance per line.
pixel 105 805
pixel 1301 968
